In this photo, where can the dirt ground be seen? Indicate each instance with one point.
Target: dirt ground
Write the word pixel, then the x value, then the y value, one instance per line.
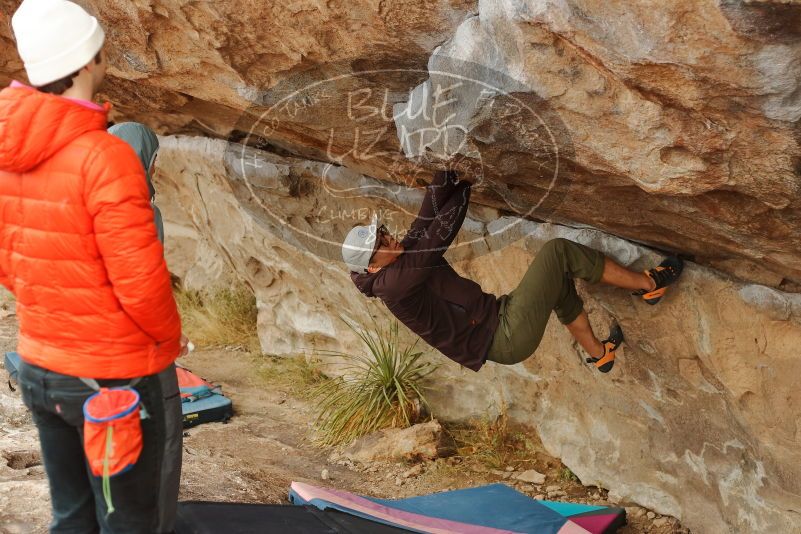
pixel 265 447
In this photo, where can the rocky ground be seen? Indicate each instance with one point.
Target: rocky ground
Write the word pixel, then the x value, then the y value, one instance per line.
pixel 267 445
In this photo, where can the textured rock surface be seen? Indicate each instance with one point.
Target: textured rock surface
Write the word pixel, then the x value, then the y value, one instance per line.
pixel 699 418
pixel 678 122
pixel 682 117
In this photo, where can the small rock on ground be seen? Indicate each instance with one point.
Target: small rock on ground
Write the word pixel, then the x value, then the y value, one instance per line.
pixel 414 471
pixel 532 476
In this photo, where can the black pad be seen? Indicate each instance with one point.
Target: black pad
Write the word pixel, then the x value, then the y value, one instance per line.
pixel 197 517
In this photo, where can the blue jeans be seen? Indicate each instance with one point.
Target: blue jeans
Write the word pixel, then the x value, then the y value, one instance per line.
pixel 78 507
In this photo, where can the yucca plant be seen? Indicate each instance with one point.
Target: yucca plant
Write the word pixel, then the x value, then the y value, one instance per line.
pixel 379 389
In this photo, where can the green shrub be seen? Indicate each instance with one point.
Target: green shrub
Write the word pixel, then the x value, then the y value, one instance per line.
pixel 566 475
pixel 380 389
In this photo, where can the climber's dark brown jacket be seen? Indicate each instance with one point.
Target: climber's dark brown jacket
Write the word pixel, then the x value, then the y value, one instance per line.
pixel 451 313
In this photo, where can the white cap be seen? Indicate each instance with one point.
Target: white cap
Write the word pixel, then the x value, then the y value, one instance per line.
pixel 55 38
pixel 359 246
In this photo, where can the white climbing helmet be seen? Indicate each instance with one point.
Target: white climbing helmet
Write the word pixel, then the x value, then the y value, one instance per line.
pixel 359 246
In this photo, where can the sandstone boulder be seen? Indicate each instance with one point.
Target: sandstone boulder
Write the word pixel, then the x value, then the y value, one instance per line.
pixel 674 125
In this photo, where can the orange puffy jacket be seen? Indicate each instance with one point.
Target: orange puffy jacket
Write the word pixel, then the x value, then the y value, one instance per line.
pixel 78 246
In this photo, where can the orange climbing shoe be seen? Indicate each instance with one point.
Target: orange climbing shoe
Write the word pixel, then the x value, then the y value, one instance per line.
pixel 663 275
pixel 611 343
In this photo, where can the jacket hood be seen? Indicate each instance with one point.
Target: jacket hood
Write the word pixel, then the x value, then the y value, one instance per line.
pixel 144 142
pixel 34 126
pixel 364 282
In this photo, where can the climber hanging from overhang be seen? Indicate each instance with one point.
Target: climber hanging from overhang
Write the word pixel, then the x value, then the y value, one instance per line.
pixel 452 313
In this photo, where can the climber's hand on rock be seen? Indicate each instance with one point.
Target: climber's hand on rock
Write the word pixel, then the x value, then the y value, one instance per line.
pixel 466 168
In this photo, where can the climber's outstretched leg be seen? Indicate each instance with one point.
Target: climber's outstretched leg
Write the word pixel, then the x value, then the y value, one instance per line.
pixel 605 350
pixel 651 284
pixel 582 332
pixel 618 276
pixel 548 286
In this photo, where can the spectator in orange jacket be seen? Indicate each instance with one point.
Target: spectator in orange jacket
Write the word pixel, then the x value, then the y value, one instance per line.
pixel 78 249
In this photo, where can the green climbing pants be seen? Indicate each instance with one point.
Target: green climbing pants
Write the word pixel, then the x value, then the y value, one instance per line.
pixel 547 286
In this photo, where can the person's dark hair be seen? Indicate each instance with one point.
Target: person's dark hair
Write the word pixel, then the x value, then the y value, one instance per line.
pixel 60 86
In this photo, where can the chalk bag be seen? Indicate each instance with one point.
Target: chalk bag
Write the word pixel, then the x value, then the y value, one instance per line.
pixel 112 434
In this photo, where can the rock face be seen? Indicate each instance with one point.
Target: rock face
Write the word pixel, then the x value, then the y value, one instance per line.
pixel 675 125
pixel 698 419
pixel 681 119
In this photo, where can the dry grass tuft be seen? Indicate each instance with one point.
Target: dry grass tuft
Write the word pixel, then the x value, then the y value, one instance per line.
pixel 493 443
pixel 223 317
pixel 297 374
